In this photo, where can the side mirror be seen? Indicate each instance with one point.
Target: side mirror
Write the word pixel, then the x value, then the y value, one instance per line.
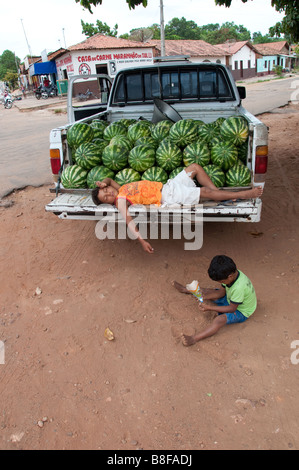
pixel 242 92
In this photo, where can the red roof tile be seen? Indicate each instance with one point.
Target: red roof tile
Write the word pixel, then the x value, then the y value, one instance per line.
pixel 100 41
pixel 194 47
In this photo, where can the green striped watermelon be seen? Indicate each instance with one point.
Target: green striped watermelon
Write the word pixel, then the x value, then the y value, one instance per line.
pixel 142 157
pixel 98 128
pixel 98 173
pixel 238 175
pixel 224 155
pixel 126 122
pixel 216 174
pixel 183 132
pixel 122 140
pixel 155 174
pixel 197 152
pixel 243 151
pixel 168 155
pixel 127 175
pixel 74 177
pixel 115 128
pixel 147 141
pixel 88 155
pixel 161 130
pixel 219 121
pixel 79 133
pixel 207 132
pixel 139 129
pixel 234 130
pixel 115 157
pixel 100 143
pixel 175 172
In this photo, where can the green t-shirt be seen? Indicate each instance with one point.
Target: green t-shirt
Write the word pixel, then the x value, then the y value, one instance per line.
pixel 242 292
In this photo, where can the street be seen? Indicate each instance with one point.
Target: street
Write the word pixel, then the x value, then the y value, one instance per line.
pixel 24 159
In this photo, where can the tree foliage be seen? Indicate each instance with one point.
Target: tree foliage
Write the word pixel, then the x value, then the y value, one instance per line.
pixel 90 29
pixel 8 64
pixel 289 26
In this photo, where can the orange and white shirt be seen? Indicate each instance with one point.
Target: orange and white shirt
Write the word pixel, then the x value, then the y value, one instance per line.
pixel 141 192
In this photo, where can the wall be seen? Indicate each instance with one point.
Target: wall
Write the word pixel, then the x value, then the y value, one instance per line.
pixel 243 63
pixel 86 62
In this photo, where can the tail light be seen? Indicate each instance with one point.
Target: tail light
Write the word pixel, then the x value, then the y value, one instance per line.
pixel 55 161
pixel 261 159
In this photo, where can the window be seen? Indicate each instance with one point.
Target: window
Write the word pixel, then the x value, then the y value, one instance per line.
pixel 236 65
pixel 249 64
pixel 172 83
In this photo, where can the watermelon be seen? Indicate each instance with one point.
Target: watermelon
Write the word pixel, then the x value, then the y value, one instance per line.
pixel 74 177
pixel 197 152
pixel 183 132
pixel 115 157
pixel 147 141
pixel 121 140
pixel 127 122
pixel 115 128
pixel 224 155
pixel 238 175
pixel 88 155
pixel 175 172
pixel 216 174
pixel 234 130
pixel 127 175
pixel 155 174
pixel 79 133
pixel 138 129
pixel 100 143
pixel 161 130
pixel 142 157
pixel 168 155
pixel 219 121
pixel 98 173
pixel 243 151
pixel 98 127
pixel 207 132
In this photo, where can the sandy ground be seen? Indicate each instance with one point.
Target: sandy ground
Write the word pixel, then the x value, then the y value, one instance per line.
pixel 65 386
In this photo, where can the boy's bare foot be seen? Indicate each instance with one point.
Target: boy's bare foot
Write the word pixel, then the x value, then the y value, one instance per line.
pixel 255 192
pixel 188 340
pixel 180 287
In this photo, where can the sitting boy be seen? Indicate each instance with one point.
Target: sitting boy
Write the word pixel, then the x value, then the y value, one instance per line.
pixel 235 301
pixel 179 190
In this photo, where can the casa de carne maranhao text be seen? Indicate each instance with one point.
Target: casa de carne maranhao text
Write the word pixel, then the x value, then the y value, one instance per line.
pixel 154 459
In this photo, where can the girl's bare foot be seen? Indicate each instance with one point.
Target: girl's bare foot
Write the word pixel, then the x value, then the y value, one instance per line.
pixel 188 340
pixel 180 287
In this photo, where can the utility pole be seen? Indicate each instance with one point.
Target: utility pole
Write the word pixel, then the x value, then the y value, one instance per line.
pixel 162 33
pixel 64 38
pixel 30 53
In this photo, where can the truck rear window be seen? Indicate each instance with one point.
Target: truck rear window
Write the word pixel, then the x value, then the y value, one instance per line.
pixel 191 84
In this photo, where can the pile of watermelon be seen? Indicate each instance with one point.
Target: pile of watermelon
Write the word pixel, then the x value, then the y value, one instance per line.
pixel 129 150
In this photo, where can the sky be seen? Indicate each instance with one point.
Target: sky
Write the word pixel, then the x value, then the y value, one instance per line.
pixel 32 26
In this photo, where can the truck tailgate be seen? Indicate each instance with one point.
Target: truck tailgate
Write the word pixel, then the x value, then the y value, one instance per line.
pixel 77 204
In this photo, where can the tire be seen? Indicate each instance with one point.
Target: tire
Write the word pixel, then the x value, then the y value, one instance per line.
pixel 37 96
pixel 8 104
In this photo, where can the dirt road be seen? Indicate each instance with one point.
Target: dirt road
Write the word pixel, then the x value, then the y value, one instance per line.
pixel 65 386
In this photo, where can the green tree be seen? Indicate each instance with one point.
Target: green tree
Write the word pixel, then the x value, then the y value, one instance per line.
pixel 182 29
pixel 90 29
pixel 8 63
pixel 289 26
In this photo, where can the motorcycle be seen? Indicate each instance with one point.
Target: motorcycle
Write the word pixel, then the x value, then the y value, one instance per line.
pixel 45 92
pixel 8 100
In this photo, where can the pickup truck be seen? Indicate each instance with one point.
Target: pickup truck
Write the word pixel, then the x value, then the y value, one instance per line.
pixel 204 91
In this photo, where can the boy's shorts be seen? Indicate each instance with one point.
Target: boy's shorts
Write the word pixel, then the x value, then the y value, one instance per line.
pixel 235 317
pixel 180 190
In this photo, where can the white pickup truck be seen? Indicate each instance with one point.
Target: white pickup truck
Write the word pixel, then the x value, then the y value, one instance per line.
pixel 204 91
